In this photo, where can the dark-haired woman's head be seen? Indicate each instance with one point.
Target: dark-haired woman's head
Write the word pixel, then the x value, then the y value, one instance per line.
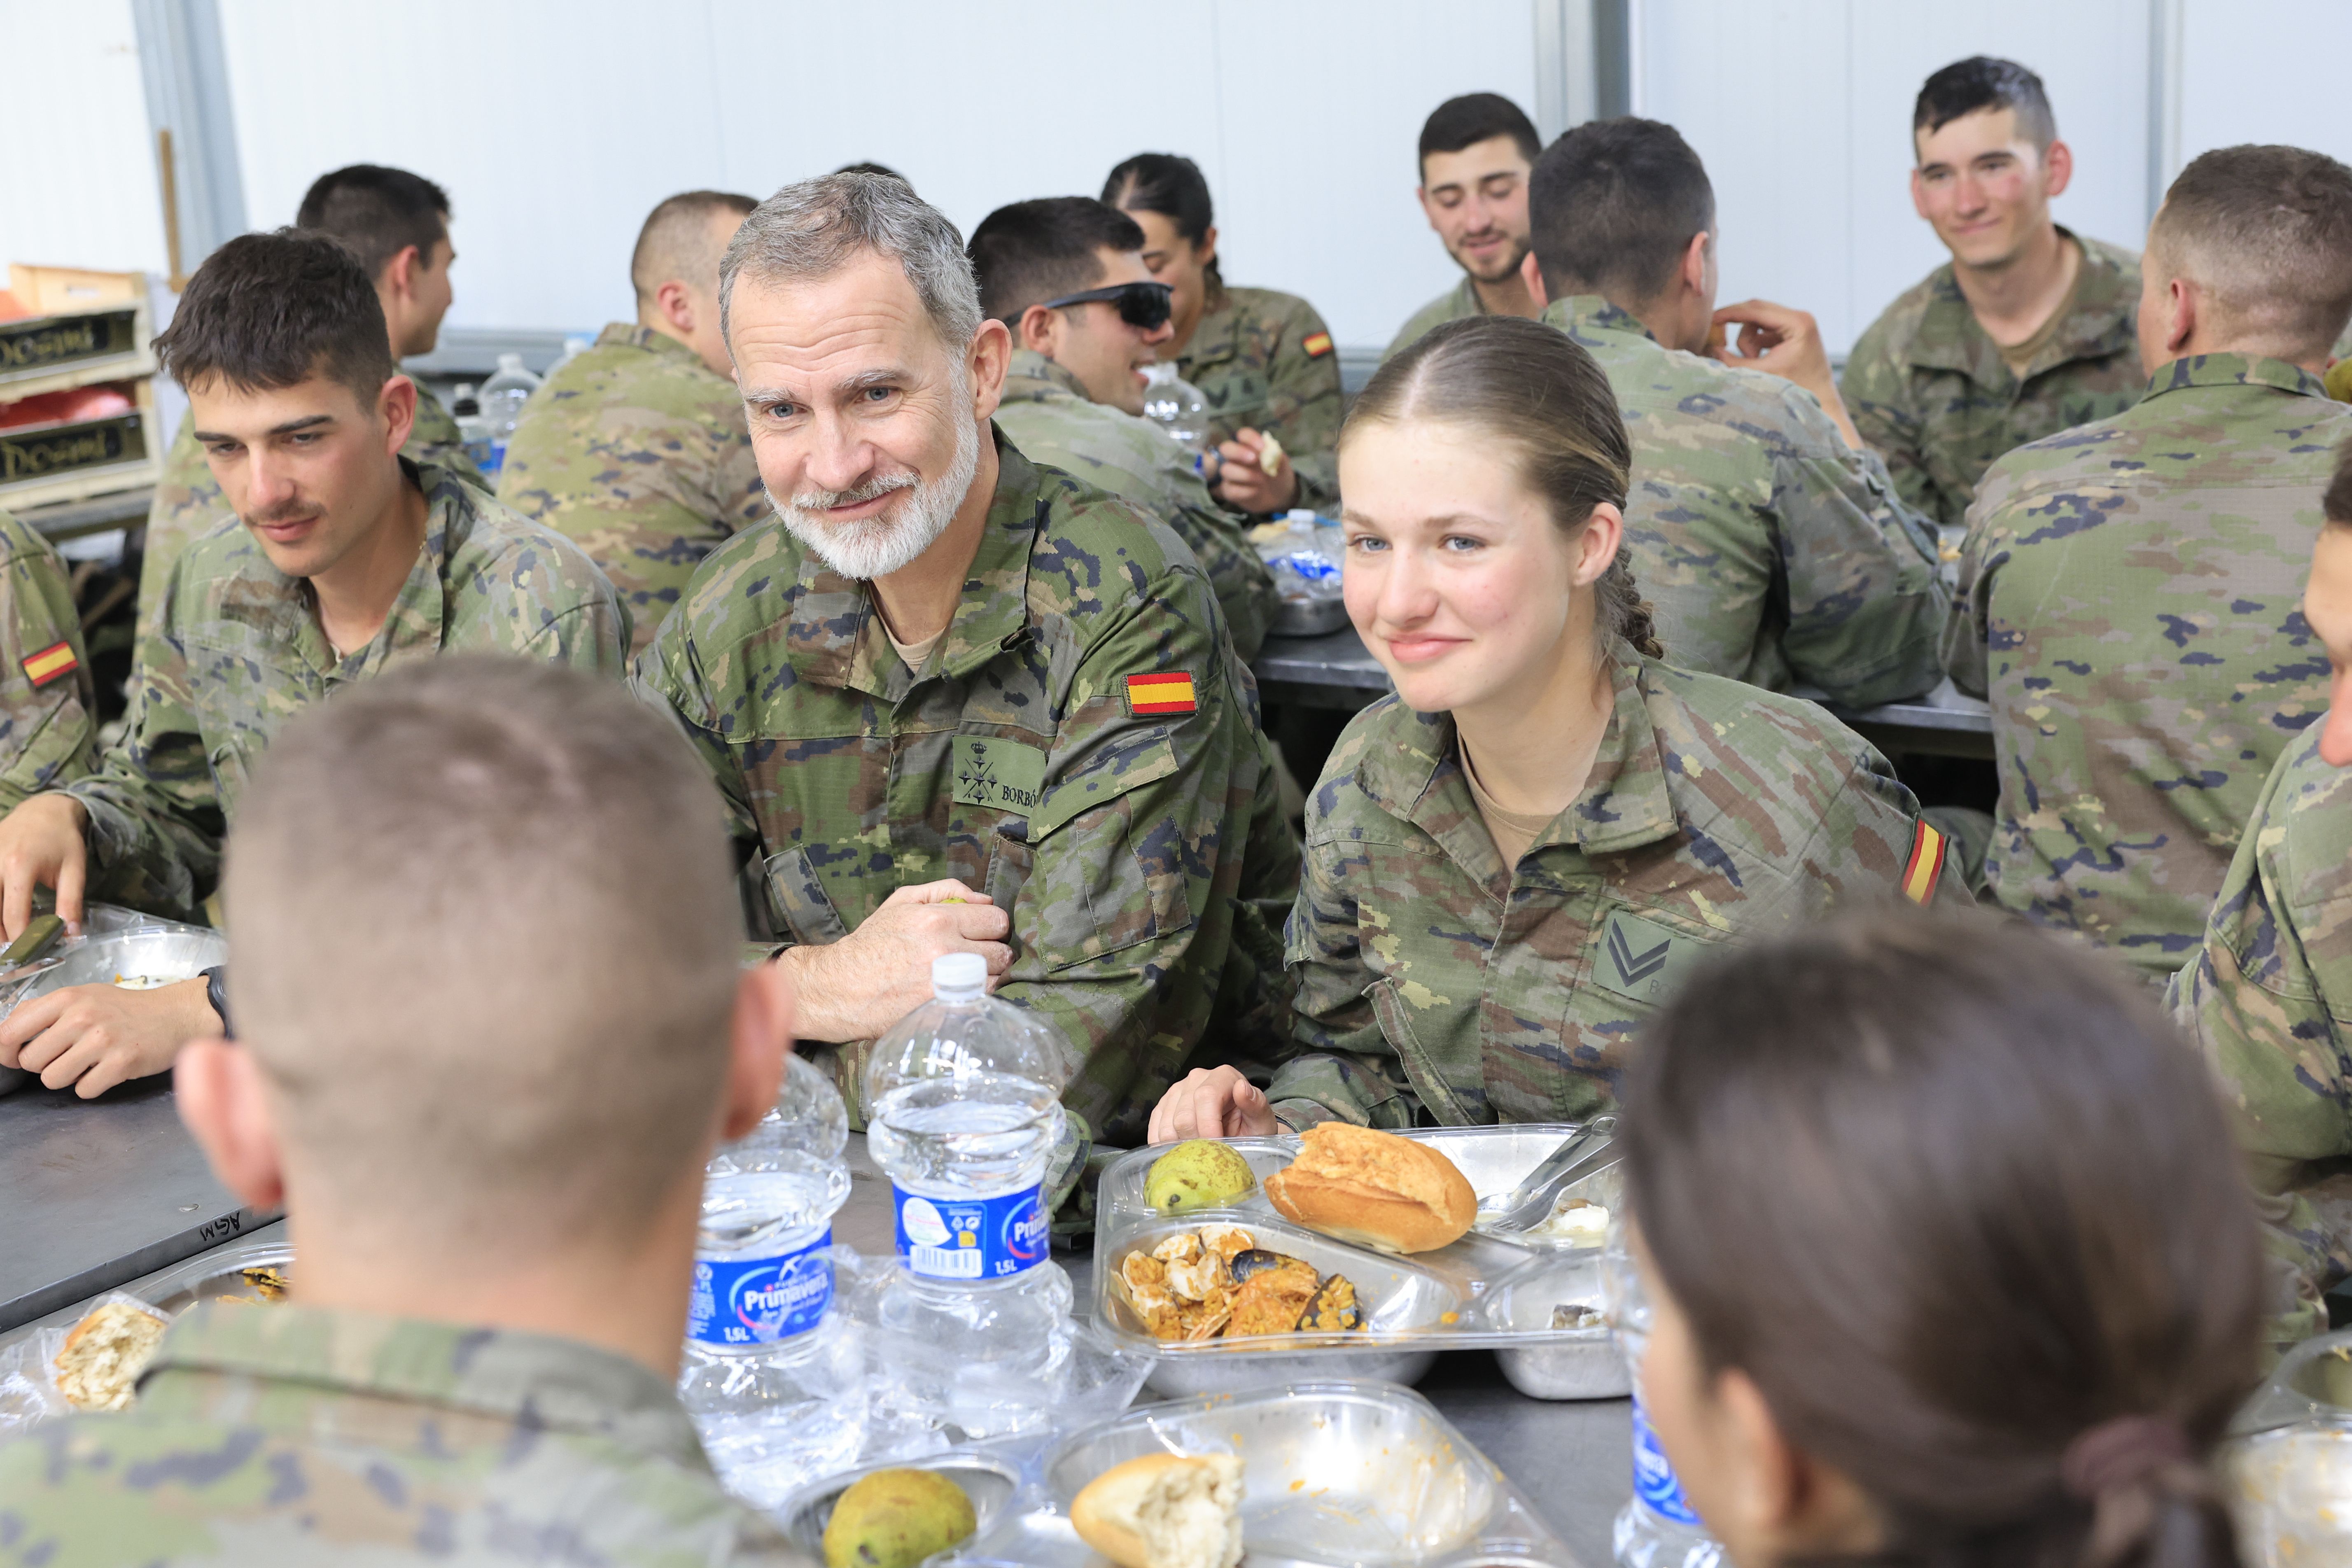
pixel 1949 1255
pixel 1483 471
pixel 1169 199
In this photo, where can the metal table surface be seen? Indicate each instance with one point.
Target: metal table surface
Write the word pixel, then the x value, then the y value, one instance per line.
pixel 1573 1459
pixel 1335 670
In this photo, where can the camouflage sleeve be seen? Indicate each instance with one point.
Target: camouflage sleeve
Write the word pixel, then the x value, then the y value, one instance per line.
pixel 2260 1002
pixel 1865 599
pixel 1968 628
pixel 1123 919
pixel 1237 573
pixel 592 635
pixel 668 677
pixel 1876 398
pixel 155 821
pixel 187 502
pixel 1862 849
pixel 49 729
pixel 1305 406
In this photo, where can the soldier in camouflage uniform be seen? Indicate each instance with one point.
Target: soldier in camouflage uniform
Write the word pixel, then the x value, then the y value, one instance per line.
pixel 1476 155
pixel 415 1420
pixel 397 224
pixel 2129 590
pixel 245 639
pixel 635 450
pixel 48 714
pixel 1774 552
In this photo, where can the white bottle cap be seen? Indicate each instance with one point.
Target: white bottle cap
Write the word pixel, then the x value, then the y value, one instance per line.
pixel 958 971
pixel 1299 517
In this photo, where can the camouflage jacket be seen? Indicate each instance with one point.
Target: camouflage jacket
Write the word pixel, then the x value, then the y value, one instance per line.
pixel 2268 998
pixel 48 707
pixel 1773 551
pixel 1433 983
pixel 638 453
pixel 1456 303
pixel 292 1434
pixel 188 500
pixel 238 651
pixel 1929 390
pixel 2130 602
pixel 1047 414
pixel 1266 360
pixel 1082 744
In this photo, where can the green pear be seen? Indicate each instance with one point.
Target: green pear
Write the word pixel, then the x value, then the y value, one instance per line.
pixel 895 1518
pixel 1200 1175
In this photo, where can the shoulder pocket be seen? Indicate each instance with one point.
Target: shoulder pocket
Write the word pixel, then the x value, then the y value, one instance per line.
pixel 1145 764
pixel 1100 879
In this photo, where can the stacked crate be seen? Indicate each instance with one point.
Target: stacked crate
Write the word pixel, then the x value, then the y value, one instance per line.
pixel 77 393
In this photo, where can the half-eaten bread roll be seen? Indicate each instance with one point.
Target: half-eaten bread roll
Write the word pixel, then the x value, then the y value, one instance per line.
pixel 104 1355
pixel 1375 1189
pixel 1164 1510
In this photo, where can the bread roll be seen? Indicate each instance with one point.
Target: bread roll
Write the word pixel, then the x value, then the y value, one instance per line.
pixel 1374 1189
pixel 1164 1510
pixel 104 1355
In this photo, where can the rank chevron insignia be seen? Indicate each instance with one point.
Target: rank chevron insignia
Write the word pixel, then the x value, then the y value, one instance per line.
pixel 1635 966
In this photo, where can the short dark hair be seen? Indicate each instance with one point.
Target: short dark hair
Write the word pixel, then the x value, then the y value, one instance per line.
pixel 1172 186
pixel 1612 206
pixel 1978 82
pixel 377 211
pixel 271 311
pixel 675 240
pixel 1030 252
pixel 2268 230
pixel 1472 118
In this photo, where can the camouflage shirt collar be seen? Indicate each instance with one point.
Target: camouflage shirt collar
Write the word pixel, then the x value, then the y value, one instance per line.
pixel 2233 370
pixel 2098 322
pixel 834 637
pixel 634 335
pixel 1583 315
pixel 537 1381
pixel 1415 773
pixel 418 618
pixel 1037 379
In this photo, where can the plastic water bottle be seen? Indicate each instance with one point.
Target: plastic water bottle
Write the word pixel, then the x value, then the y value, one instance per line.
pixel 1657 1528
pixel 572 349
pixel 773 1377
pixel 503 396
pixel 473 430
pixel 1176 406
pixel 965 1093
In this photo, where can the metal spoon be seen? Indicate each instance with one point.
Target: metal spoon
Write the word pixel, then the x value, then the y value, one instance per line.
pixel 1579 1154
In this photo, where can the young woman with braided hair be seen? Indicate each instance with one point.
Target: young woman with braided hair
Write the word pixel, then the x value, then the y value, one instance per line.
pixel 1948 1255
pixel 1512 860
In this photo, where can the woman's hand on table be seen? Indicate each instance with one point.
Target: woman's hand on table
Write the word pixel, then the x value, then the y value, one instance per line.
pixel 1212 1102
pixel 95 1037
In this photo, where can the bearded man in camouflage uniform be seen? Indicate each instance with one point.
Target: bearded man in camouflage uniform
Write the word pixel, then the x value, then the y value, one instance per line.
pixel 635 450
pixel 397 224
pixel 2026 331
pixel 343 560
pixel 406 1404
pixel 955 702
pixel 1773 547
pixel 2129 590
pixel 1072 395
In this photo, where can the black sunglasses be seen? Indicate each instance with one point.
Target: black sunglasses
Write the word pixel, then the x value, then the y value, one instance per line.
pixel 1143 305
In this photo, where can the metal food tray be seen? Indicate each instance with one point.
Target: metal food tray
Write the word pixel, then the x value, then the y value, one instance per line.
pixel 154 948
pixel 1335 1475
pixel 1309 617
pixel 217 1276
pixel 1480 1293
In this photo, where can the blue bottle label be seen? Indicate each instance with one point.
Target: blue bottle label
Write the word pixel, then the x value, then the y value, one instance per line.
pixel 975 1238
pixel 1655 1481
pixel 759 1300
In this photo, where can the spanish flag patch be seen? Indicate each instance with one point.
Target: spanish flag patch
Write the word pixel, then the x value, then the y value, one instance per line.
pixel 1927 864
pixel 1150 696
pixel 51 662
pixel 1316 345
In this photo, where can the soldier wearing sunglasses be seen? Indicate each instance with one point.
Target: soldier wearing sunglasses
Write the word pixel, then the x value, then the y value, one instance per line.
pixel 1065 276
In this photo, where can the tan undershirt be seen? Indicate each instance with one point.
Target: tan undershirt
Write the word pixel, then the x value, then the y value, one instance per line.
pixel 2020 355
pixel 1512 831
pixel 914 653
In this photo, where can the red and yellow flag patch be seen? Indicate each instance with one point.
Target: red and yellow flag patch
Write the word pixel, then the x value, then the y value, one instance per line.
pixel 1316 345
pixel 1171 692
pixel 51 662
pixel 1925 867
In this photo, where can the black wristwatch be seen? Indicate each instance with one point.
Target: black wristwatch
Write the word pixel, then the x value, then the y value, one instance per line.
pixel 216 993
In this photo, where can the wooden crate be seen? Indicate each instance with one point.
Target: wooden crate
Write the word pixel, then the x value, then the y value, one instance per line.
pixel 91 456
pixel 85 327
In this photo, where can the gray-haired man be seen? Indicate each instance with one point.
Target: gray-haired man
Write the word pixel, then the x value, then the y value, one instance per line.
pixel 957 702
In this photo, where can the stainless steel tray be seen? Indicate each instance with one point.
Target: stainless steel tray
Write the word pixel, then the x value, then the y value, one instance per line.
pixel 214 1276
pixel 1335 1475
pixel 1482 1292
pixel 1309 617
pixel 158 949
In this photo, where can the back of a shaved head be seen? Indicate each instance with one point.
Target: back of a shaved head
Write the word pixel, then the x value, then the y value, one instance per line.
pixel 677 242
pixel 485 934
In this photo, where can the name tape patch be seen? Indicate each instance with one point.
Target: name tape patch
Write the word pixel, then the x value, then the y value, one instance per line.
pixel 51 662
pixel 1003 775
pixel 1316 345
pixel 1148 696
